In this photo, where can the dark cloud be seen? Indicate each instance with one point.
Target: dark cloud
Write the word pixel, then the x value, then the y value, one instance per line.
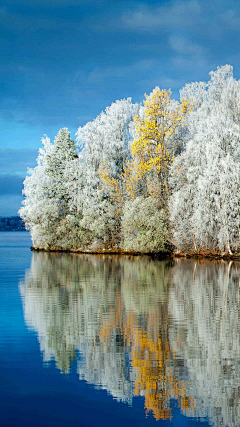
pixel 46 4
pixel 16 161
pixel 10 204
pixel 11 185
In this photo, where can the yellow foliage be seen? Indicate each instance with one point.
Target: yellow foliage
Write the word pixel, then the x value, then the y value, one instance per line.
pixel 157 140
pixel 152 152
pixel 117 187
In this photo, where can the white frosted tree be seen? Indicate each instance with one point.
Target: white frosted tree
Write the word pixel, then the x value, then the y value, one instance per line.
pixel 205 178
pixel 144 226
pixel 37 210
pixel 106 140
pixel 63 152
pixel 104 145
pixel 50 207
pixel 63 169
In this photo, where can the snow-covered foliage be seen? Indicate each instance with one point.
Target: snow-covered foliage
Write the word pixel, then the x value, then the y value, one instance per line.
pixel 205 179
pixel 106 140
pixel 144 226
pixel 49 209
pixel 104 143
pixel 36 209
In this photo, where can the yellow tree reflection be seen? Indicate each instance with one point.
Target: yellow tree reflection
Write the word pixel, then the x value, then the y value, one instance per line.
pixel 151 357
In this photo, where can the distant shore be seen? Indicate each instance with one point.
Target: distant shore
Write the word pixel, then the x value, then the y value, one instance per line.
pixel 12 223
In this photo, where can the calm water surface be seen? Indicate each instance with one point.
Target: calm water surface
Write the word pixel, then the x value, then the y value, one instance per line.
pixel 94 340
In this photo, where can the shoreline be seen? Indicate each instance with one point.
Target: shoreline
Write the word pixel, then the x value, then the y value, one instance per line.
pixel 188 255
pixel 104 252
pixel 207 255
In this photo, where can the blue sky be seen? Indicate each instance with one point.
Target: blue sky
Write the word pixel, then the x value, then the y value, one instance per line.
pixel 64 61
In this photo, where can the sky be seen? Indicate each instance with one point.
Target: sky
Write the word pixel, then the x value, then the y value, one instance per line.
pixel 65 61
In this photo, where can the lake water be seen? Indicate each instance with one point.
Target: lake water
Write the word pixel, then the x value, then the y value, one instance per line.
pixel 89 340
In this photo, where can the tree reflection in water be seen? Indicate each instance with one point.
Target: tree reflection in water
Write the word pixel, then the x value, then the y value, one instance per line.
pixel 137 326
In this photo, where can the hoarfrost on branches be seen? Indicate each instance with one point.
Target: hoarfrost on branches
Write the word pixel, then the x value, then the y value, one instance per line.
pixel 144 226
pixel 205 178
pixel 49 209
pixel 104 143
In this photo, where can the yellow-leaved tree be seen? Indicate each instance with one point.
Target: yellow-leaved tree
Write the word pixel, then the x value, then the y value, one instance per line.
pixel 140 193
pixel 158 139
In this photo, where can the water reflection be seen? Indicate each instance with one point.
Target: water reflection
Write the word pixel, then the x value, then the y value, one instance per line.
pixel 204 307
pixel 136 326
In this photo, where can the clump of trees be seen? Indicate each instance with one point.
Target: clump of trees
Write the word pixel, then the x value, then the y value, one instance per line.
pixel 143 178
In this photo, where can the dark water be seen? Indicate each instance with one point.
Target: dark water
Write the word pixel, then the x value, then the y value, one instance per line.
pixel 89 340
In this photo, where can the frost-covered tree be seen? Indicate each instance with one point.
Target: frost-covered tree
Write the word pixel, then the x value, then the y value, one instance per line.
pixel 206 177
pixel 63 169
pixel 104 147
pixel 50 209
pixel 105 142
pixel 37 209
pixel 158 140
pixel 144 226
pixel 63 152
